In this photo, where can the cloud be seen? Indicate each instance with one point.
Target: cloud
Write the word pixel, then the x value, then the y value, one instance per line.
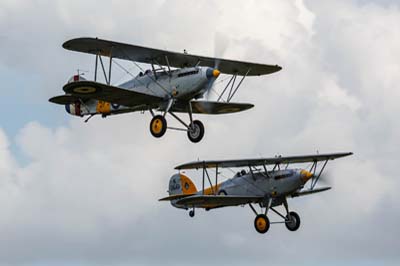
pixel 87 193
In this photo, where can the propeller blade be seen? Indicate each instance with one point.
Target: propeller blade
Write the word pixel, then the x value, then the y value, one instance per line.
pixel 221 43
pixel 324 179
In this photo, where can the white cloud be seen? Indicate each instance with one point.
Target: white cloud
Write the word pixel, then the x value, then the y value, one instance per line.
pixel 88 192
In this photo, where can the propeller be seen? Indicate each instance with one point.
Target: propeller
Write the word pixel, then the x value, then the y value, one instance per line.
pixel 221 43
pixel 324 178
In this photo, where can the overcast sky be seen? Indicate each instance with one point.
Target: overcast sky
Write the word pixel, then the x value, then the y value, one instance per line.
pixel 86 194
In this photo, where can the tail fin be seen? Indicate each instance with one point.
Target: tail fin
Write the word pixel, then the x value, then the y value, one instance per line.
pixel 180 184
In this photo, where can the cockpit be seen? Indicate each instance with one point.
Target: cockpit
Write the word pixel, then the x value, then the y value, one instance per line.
pixel 240 173
pixel 149 72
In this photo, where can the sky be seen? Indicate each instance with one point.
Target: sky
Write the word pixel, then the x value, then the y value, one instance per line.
pixel 87 194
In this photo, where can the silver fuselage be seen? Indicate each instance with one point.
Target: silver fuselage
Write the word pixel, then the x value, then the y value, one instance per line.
pixel 183 84
pixel 276 184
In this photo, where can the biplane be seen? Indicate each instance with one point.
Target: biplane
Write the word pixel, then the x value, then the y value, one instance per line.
pixel 268 188
pixel 173 85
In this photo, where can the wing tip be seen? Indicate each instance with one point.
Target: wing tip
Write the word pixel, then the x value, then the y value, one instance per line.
pixel 67 45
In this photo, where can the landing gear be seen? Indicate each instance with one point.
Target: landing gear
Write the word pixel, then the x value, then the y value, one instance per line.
pixel 261 223
pixel 191 213
pixel 158 126
pixel 195 131
pixel 292 221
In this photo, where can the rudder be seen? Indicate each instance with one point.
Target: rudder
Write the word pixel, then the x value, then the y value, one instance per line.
pixel 180 184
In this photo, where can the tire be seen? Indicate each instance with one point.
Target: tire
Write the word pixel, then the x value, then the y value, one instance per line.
pixel 197 134
pixel 292 221
pixel 191 213
pixel 158 126
pixel 261 223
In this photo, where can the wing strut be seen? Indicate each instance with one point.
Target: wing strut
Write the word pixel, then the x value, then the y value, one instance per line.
pixel 319 174
pixel 232 91
pixel 104 70
pixel 237 87
pixel 95 68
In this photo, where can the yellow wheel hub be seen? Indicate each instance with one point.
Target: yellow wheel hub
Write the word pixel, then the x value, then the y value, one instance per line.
pixel 157 126
pixel 261 224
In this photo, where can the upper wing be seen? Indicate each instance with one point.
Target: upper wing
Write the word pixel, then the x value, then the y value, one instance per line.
pixel 162 57
pixel 103 92
pixel 214 201
pixel 211 108
pixel 262 161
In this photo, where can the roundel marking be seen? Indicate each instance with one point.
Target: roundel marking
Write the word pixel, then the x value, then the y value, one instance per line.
pixel 85 90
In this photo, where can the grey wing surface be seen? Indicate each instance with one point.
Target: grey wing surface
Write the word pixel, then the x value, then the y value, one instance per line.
pixel 64 99
pixel 212 108
pixel 103 92
pixel 309 191
pixel 262 161
pixel 163 57
pixel 212 201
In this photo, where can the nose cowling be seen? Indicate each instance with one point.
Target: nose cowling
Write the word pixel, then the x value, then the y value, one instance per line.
pixel 212 73
pixel 305 175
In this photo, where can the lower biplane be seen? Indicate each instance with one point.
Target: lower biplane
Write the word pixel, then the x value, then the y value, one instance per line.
pixel 268 188
pixel 173 85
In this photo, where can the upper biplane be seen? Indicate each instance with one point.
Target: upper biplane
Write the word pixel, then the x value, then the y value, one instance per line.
pixel 172 85
pixel 258 185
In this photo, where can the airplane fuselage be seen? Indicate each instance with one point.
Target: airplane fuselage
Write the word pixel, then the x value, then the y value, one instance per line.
pixel 275 184
pixel 182 84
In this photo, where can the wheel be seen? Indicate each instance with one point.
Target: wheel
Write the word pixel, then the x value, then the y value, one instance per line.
pixel 292 221
pixel 196 132
pixel 222 193
pixel 261 223
pixel 191 213
pixel 158 126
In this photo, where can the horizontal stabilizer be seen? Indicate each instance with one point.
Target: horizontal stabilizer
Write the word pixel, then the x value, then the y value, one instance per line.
pixel 310 191
pixel 212 108
pixel 174 197
pixel 214 201
pixel 64 99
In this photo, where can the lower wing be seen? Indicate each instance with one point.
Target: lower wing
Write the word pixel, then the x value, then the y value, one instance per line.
pixel 212 108
pixel 310 191
pixel 220 201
